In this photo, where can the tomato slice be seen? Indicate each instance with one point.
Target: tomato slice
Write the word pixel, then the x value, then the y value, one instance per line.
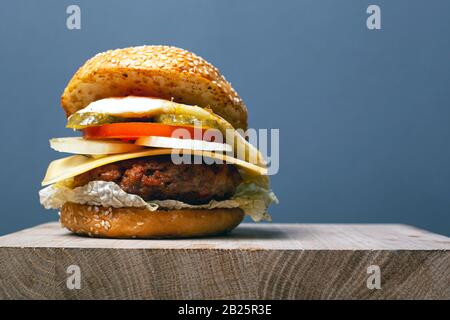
pixel 133 130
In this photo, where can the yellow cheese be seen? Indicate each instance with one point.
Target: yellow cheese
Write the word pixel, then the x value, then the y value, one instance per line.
pixel 69 167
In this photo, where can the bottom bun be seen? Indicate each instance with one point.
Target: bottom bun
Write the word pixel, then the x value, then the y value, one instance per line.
pixel 97 221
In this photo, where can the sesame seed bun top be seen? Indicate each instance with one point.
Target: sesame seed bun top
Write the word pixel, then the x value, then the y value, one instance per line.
pixel 156 71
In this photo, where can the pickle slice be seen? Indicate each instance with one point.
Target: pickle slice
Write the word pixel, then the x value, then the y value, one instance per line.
pixel 184 120
pixel 89 119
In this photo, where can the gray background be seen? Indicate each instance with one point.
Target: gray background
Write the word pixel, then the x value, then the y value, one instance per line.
pixel 364 116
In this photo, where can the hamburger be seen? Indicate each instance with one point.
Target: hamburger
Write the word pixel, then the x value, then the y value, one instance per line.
pixel 161 152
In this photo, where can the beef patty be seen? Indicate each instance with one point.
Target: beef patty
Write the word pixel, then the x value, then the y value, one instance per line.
pixel 158 178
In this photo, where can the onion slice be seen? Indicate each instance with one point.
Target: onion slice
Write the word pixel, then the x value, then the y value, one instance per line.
pixel 185 144
pixel 78 145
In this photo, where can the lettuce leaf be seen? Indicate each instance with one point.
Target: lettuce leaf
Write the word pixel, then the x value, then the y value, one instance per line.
pixel 254 200
pixel 250 197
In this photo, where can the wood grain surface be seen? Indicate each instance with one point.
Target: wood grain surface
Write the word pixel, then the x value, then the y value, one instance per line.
pixel 256 261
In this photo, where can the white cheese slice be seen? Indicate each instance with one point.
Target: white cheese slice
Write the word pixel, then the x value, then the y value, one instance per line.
pixel 78 145
pixel 128 107
pixel 189 144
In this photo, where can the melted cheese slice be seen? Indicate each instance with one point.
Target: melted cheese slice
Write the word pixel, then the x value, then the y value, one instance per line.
pixel 134 107
pixel 69 167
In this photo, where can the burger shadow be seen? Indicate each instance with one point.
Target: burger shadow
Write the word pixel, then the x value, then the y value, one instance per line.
pixel 246 232
pixel 252 233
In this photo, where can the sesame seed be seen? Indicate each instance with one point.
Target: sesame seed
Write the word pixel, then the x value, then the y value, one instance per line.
pixel 106 225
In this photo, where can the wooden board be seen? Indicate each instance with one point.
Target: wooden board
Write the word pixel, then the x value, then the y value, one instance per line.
pixel 256 261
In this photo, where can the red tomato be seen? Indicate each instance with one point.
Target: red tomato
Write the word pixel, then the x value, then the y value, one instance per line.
pixel 133 130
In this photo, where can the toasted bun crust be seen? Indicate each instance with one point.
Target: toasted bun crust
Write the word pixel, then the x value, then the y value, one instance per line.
pixel 141 223
pixel 157 71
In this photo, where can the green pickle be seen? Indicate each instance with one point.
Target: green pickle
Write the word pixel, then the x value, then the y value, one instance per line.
pixel 184 120
pixel 90 119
